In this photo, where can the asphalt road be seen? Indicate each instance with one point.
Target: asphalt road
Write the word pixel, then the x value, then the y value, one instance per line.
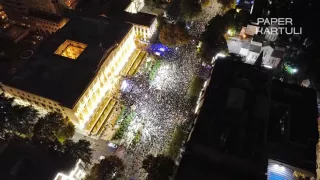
pixel 99 146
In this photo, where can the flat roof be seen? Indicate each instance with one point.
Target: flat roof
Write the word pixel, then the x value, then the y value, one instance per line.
pixel 45 15
pixel 223 133
pixel 14 32
pixel 293 127
pixel 115 9
pixel 60 78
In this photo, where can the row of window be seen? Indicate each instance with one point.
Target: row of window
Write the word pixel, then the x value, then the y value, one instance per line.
pixel 28 97
pixel 124 49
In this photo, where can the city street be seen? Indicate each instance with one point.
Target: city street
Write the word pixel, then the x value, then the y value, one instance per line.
pixel 100 147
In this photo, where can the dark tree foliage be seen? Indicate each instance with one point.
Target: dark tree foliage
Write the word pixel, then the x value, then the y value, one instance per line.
pixel 73 151
pixel 228 4
pixel 160 167
pixel 48 128
pixel 212 39
pixel 16 120
pixel 110 168
pixel 190 9
pixel 152 3
pixel 173 35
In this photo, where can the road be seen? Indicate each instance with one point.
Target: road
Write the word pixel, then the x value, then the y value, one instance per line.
pixel 99 146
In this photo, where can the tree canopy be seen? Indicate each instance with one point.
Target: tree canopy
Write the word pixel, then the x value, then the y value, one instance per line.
pixel 110 168
pixel 16 120
pixel 53 127
pixel 160 167
pixel 73 151
pixel 173 35
pixel 190 9
pixel 228 4
pixel 152 3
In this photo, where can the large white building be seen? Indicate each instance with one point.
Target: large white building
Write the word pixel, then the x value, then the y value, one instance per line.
pixel 272 54
pixel 76 68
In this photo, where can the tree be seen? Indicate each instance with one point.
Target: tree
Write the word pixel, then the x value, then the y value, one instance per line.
pixel 152 3
pixel 160 167
pixel 72 151
pixel 228 4
pixel 16 120
pixel 23 120
pixel 66 132
pixel 205 3
pixel 110 168
pixel 50 128
pixel 173 35
pixel 5 111
pixel 190 9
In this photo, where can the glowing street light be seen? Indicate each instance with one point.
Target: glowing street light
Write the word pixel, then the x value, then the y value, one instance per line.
pixel 294 70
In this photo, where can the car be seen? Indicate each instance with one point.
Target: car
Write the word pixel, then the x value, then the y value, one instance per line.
pixel 112 145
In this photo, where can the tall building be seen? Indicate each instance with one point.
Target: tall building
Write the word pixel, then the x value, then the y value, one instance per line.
pixel 78 69
pixel 251 127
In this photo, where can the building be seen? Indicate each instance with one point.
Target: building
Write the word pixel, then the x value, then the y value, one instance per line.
pixel 227 139
pixel 37 14
pixel 272 53
pixel 249 127
pixel 75 68
pixel 144 24
pixel 46 23
pixel 15 33
pixel 292 142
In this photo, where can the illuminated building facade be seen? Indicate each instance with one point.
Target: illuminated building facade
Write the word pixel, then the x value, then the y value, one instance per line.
pixel 75 68
pixel 41 15
pixel 77 173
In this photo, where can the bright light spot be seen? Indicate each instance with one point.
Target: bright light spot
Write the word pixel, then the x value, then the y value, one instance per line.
pixel 279 168
pixel 268 66
pixel 162 49
pixel 229 32
pixel 157 53
pixel 244 36
pixel 238 10
pixel 218 55
pixel 294 70
pixel 102 157
pixel 124 85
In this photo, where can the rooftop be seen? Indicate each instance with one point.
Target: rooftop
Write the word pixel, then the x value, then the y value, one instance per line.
pixel 115 9
pixel 14 32
pixel 44 15
pixel 231 125
pixel 254 48
pixel 277 54
pixel 60 78
pixel 292 127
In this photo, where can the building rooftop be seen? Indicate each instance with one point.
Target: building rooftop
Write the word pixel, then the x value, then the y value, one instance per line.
pixel 254 48
pixel 15 32
pixel 63 78
pixel 247 118
pixel 277 54
pixel 230 129
pixel 115 9
pixel 292 127
pixel 258 38
pixel 45 15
